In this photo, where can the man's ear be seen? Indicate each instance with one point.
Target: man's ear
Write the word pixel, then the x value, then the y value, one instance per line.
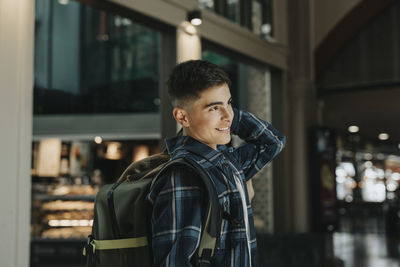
pixel 181 116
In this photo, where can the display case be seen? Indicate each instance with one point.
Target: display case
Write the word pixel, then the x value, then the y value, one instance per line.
pixel 63 189
pixel 61 209
pixel 66 176
pixel 62 215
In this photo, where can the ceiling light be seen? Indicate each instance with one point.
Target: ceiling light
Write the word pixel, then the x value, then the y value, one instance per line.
pixel 98 140
pixel 194 17
pixel 353 129
pixel 383 136
pixel 63 2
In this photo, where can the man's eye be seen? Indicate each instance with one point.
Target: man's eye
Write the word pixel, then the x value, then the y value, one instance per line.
pixel 213 108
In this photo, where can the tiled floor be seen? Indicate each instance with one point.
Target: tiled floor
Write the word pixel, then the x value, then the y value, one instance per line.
pixel 362 240
pixel 366 250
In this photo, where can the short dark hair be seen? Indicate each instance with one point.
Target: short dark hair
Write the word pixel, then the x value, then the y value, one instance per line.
pixel 188 79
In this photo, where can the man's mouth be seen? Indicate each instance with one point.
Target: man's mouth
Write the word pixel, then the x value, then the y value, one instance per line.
pixel 223 129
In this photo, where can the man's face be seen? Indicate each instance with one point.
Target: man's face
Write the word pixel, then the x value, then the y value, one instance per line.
pixel 209 117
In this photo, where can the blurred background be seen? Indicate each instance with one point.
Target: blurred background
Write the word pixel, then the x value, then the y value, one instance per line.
pixel 83 94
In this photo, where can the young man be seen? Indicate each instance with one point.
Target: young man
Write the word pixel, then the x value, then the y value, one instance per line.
pixel 203 106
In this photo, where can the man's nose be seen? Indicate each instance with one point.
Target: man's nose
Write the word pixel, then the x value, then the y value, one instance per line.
pixel 227 114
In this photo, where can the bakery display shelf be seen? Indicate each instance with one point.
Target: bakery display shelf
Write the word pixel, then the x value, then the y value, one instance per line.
pixel 59 239
pixel 64 197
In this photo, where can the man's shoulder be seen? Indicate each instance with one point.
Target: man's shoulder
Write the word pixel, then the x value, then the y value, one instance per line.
pixel 198 158
pixel 178 175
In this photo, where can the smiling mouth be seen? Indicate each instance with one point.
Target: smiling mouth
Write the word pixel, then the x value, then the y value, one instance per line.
pixel 223 129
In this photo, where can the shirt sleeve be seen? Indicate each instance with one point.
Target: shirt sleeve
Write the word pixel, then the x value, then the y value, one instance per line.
pixel 176 219
pixel 262 142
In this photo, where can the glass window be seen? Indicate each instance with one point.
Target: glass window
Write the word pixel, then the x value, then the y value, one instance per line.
pixel 261 18
pixel 89 61
pixel 207 4
pixel 233 10
pixel 229 9
pixel 255 15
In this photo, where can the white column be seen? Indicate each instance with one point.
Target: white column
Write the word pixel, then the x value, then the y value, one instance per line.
pixel 188 43
pixel 16 97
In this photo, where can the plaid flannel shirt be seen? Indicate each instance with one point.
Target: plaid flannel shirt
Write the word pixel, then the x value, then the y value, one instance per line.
pixel 176 197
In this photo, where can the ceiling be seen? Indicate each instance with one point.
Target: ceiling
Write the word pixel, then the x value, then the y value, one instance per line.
pixel 374 111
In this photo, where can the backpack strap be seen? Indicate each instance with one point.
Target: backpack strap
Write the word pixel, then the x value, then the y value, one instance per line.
pixel 94 245
pixel 213 220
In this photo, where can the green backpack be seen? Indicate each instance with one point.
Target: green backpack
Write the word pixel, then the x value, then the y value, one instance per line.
pixel 121 231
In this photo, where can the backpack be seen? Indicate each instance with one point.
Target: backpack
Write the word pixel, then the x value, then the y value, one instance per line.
pixel 121 231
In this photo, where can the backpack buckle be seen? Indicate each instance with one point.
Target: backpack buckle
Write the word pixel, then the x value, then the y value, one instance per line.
pixel 205 259
pixel 90 247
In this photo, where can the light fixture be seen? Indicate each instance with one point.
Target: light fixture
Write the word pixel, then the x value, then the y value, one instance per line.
pixel 383 136
pixel 353 129
pixel 194 17
pixel 266 29
pixel 98 140
pixel 63 2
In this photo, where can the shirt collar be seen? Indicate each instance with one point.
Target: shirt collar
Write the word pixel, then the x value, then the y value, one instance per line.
pixel 180 143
